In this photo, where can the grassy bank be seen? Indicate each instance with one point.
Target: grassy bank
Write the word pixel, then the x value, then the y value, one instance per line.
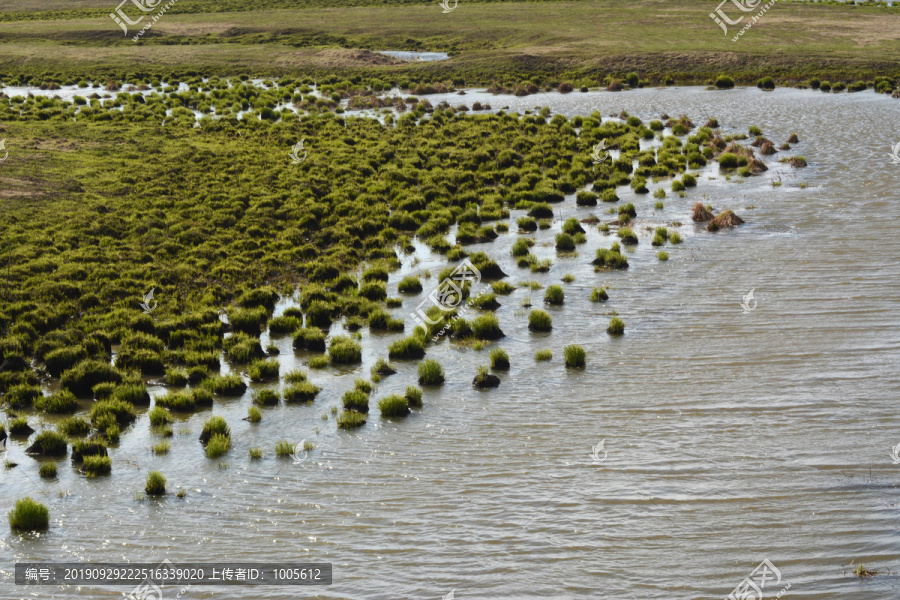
pixel 490 42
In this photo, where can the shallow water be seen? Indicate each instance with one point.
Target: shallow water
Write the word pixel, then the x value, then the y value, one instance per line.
pixel 730 436
pixel 415 56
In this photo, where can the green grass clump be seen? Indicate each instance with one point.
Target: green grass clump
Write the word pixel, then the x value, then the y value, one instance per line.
pixel 47 470
pixel 674 238
pixel 225 385
pixel 616 326
pixel 95 465
pixel 214 426
pixel 413 396
pixel 284 448
pixel 218 445
pixel 409 285
pixel 159 416
pixel 49 443
pixel 356 400
pixel 161 448
pixel 499 359
pixel 176 377
pixel 81 378
pixel 177 401
pixel 60 402
pixel 318 362
pixel 295 376
pixel 132 393
pixel 574 356
pixel 156 484
pixel 599 295
pixel 539 320
pixel 108 412
pixel 565 242
pixel 350 419
pixel 520 246
pixel 254 415
pixel 503 287
pixel 383 368
pixel 260 370
pixel 610 259
pixel 19 426
pixel 486 327
pixel 310 338
pixel 663 256
pixel 344 351
pixel 29 515
pixel 304 391
pixel 627 236
pixel 430 372
pixel 409 347
pixel 393 406
pixel 73 427
pixel 91 447
pixel 363 386
pixel 243 348
pixel 22 396
pixel 266 396
pixel 554 295
pixel 255 452
pixel 284 324
pixel 543 355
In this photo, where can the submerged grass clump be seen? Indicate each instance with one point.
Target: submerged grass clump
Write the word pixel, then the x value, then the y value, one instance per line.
pixel 350 419
pixel 599 295
pixel 413 396
pixel 430 372
pixel 574 356
pixel 29 515
pixel 543 355
pixel 47 470
pixel 284 448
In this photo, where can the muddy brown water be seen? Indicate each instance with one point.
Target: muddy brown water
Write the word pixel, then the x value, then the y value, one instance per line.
pixel 729 437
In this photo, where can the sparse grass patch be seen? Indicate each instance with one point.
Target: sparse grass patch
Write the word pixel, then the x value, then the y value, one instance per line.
pixel 284 448
pixel 543 355
pixel 161 448
pixel 255 452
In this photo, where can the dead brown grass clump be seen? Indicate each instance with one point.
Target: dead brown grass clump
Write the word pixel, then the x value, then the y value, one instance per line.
pixel 701 213
pixel 757 166
pixel 736 148
pixel 793 139
pixel 767 148
pixel 760 141
pixel 727 219
pixel 615 86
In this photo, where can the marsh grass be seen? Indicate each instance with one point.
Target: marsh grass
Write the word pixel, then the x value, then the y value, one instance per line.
pixel 383 368
pixel 214 426
pixel 410 347
pixel 499 360
pixel 47 470
pixel 266 396
pixel 393 406
pixel 59 402
pixel 675 238
pixel 356 400
pixel 350 419
pixel 255 452
pixel 543 355
pixel 159 416
pixel 161 448
pixel 295 376
pixel 254 415
pixel 627 236
pixel 344 351
pixel 409 285
pixel 539 320
pixel 176 376
pixel 18 426
pixel 413 396
pixel 302 392
pixel 599 295
pixel 156 484
pixel 486 327
pixel 95 465
pixel 503 288
pixel 74 427
pixel 574 356
pixel 177 401
pixel 225 385
pixel 261 370
pixel 29 515
pixel 218 445
pixel 616 326
pixel 662 256
pixel 363 386
pixel 554 295
pixel 284 448
pixel 430 372
pixel 49 443
pixel 318 362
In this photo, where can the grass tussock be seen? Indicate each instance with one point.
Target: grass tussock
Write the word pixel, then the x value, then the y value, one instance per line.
pixel 499 360
pixel 539 320
pixel 393 406
pixel 543 355
pixel 430 372
pixel 554 295
pixel 616 326
pixel 29 515
pixel 266 396
pixel 156 484
pixel 574 356
pixel 413 396
pixel 218 445
pixel 302 392
pixel 47 470
pixel 350 419
pixel 96 465
pixel 356 400
pixel 344 351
